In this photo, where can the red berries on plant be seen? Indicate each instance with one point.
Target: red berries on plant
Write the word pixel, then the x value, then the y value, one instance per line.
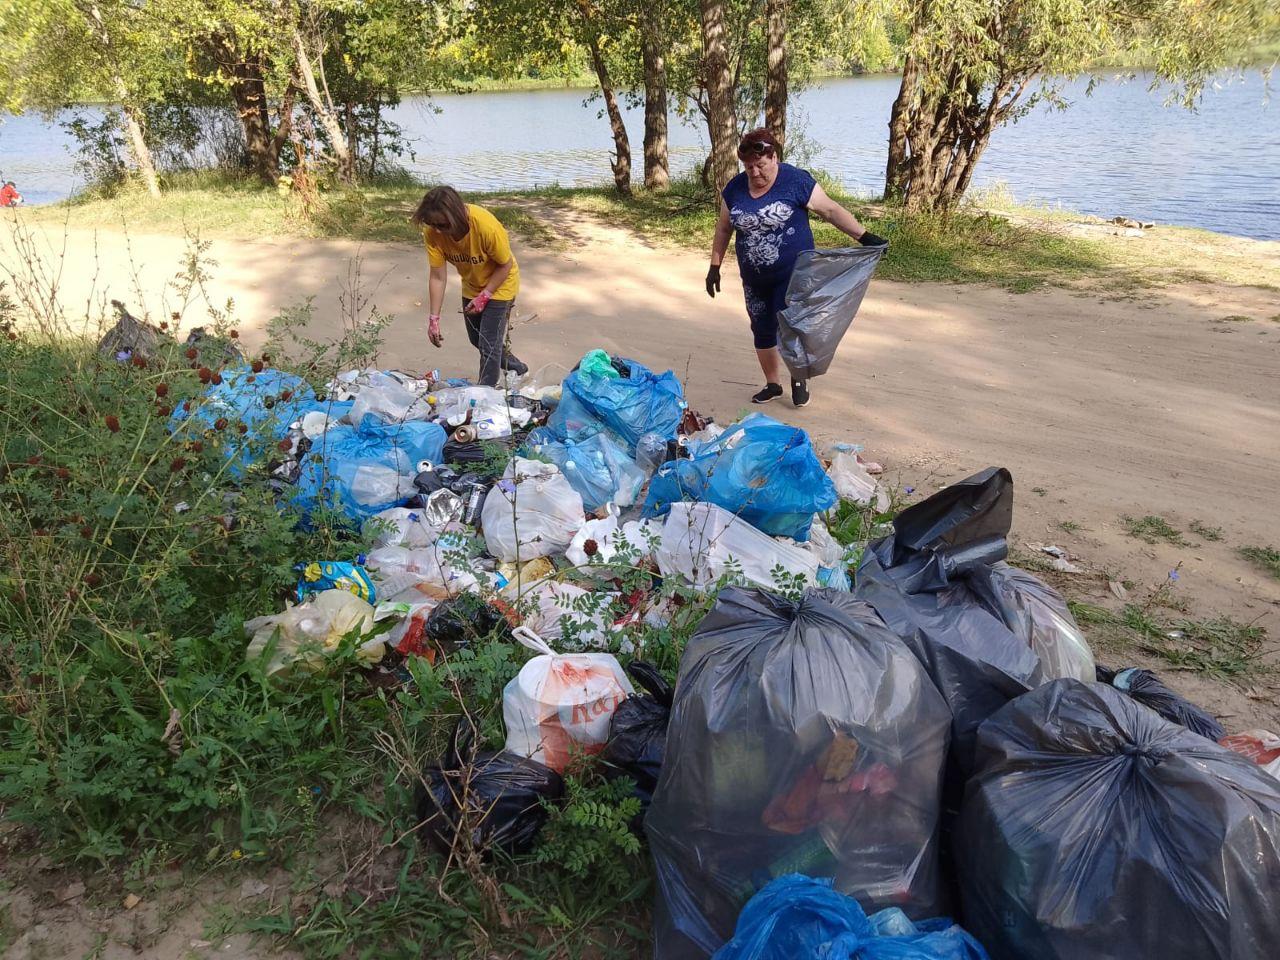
pixel 285 445
pixel 216 379
pixel 92 579
pixel 192 353
pixel 64 473
pixel 178 464
pixel 205 374
pixel 257 366
pixel 113 423
pixel 234 334
pixel 220 423
pixel 162 389
pixel 138 360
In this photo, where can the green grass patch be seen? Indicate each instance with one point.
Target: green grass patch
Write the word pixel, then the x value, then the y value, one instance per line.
pixel 1213 534
pixel 1153 529
pixel 1266 558
pixel 1068 526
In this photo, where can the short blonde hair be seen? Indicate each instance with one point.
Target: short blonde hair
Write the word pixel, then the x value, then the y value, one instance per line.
pixel 443 205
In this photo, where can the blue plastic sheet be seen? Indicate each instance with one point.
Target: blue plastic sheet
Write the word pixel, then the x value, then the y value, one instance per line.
pixel 631 406
pixel 253 399
pixel 598 468
pixel 764 471
pixel 802 918
pixel 369 468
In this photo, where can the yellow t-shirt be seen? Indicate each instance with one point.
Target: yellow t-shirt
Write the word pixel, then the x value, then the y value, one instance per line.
pixel 477 254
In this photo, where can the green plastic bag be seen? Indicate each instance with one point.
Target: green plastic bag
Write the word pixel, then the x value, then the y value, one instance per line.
pixel 597 364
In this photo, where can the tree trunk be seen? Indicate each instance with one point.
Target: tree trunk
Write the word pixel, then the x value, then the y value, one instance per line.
pixel 133 123
pixel 657 173
pixel 249 93
pixel 722 124
pixel 895 173
pixel 621 142
pixel 324 111
pixel 775 79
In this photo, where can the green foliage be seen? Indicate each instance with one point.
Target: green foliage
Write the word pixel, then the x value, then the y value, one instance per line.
pixel 1152 529
pixel 1267 558
pixel 1208 533
pixel 589 837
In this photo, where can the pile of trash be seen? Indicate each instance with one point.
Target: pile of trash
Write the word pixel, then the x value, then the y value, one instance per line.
pixel 861 741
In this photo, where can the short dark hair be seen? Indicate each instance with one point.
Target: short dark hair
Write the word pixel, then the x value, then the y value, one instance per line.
pixel 443 204
pixel 759 143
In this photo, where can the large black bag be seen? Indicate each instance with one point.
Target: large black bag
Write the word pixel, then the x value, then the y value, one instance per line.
pixel 918 580
pixel 804 738
pixel 496 796
pixel 1093 829
pixel 823 297
pixel 1149 690
pixel 638 733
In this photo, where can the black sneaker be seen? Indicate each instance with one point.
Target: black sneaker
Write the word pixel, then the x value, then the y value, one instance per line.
pixel 799 392
pixel 771 391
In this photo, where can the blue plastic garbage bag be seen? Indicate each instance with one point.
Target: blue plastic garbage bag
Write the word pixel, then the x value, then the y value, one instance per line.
pixel 764 471
pixel 631 406
pixel 369 468
pixel 254 399
pixel 598 468
pixel 802 918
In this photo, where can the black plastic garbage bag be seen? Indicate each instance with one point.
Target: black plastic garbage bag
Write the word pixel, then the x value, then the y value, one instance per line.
pixel 638 733
pixel 823 297
pixel 1145 687
pixel 919 580
pixel 497 796
pixel 1094 829
pixel 463 619
pixel 804 738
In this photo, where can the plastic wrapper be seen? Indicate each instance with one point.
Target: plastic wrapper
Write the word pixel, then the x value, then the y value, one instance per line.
pixel 802 918
pixel 853 482
pixel 533 511
pixel 498 797
pixel 559 706
pixel 401 573
pixel 638 734
pixel 401 527
pixel 321 575
pixel 1260 746
pixel 598 468
pixel 702 543
pixel 366 469
pixel 764 471
pixel 823 297
pixel 630 406
pixel 266 403
pixel 391 399
pixel 1145 687
pixel 804 737
pixel 302 635
pixel 1095 828
pixel 1039 615
pixel 918 580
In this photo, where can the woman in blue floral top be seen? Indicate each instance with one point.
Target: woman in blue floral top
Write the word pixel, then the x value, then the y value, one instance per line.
pixel 766 208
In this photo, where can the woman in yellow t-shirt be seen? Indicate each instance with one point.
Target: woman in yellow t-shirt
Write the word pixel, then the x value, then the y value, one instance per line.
pixel 472 239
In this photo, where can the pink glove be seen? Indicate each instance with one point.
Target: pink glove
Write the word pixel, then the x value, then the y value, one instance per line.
pixel 433 330
pixel 479 302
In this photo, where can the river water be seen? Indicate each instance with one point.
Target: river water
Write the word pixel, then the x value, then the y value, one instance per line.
pixel 1119 151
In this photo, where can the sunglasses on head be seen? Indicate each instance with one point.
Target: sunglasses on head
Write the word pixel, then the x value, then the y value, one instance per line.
pixel 756 148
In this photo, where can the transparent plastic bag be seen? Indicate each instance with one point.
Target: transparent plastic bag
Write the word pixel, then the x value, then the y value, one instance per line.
pixel 301 635
pixel 533 511
pixel 561 705
pixel 630 406
pixel 401 527
pixel 390 399
pixel 598 468
pixel 804 737
pixel 703 542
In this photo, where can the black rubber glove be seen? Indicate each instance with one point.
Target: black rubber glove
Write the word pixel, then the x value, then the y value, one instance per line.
pixel 869 239
pixel 713 279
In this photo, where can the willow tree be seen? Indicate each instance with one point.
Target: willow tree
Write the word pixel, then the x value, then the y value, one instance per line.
pixel 971 66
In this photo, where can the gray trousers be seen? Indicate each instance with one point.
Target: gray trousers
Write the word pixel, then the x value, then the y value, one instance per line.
pixel 487 332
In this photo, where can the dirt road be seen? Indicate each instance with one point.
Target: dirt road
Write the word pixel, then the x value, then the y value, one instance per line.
pixel 1101 407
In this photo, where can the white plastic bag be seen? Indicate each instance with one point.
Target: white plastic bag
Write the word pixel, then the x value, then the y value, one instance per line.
pixel 533 511
pixel 401 527
pixel 1260 746
pixel 602 532
pixel 543 384
pixel 548 606
pixel 412 574
pixel 852 481
pixel 310 630
pixel 560 705
pixel 701 542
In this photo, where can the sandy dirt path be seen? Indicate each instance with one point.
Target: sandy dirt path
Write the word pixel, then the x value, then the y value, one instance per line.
pixel 1101 407
pixel 1110 406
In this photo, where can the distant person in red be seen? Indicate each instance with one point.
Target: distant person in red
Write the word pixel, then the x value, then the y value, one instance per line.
pixel 9 195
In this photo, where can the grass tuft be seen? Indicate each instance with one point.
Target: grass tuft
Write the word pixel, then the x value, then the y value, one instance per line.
pixel 1153 529
pixel 1267 558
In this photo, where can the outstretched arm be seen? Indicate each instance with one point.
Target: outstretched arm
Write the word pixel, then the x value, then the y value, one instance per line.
pixel 840 218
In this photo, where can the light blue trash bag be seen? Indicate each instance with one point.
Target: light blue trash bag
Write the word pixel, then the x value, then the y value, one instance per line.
pixel 801 918
pixel 369 468
pixel 764 471
pixel 266 403
pixel 598 468
pixel 630 406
